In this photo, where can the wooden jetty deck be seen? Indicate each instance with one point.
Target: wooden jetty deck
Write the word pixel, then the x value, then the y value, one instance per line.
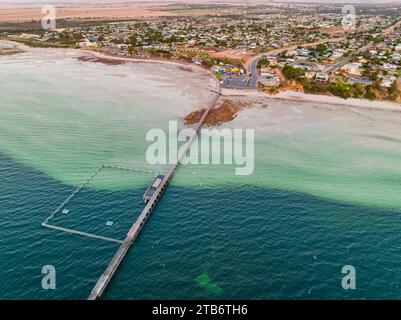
pixel 136 228
pixel 153 188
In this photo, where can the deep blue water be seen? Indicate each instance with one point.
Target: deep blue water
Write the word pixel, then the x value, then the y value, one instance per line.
pixel 252 243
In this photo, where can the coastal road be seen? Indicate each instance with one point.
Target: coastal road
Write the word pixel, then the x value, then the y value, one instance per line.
pixel 253 71
pixel 342 63
pixel 275 52
pixel 244 82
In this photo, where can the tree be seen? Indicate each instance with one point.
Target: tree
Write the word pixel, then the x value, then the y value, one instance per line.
pixel 131 50
pixel 132 40
pixel 393 91
pixel 366 70
pixel 369 94
pixel 340 89
pixel 357 90
pixel 377 84
pixel 262 63
pixel 321 47
pixel 291 73
pixel 312 87
pixel 283 53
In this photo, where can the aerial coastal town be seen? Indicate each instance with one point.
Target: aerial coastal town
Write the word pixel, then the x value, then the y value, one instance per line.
pixel 200 150
pixel 271 48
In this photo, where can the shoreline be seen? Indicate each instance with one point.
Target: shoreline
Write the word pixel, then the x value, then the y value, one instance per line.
pixel 289 96
pixel 114 57
pixel 293 96
pixel 337 101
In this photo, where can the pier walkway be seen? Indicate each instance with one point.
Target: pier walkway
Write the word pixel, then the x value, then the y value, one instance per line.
pixel 136 228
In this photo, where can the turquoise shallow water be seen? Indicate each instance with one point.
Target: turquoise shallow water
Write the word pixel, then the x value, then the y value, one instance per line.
pixel 325 191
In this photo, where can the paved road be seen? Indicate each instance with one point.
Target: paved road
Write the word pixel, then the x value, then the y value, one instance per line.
pixel 251 84
pixel 342 63
pixel 252 64
pixel 253 71
pixel 275 52
pixel 244 82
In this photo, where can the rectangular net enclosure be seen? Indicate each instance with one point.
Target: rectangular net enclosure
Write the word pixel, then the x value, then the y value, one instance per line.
pixel 105 205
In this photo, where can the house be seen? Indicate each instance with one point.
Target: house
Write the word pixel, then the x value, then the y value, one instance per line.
pixel 391 68
pixel 361 60
pixel 388 81
pixel 336 55
pixel 396 56
pixel 322 77
pixel 310 75
pixel 266 72
pixel 290 53
pixel 272 60
pixel 299 66
pixel 86 43
pixel 303 52
pixel 364 82
pixel 353 68
pixel 270 82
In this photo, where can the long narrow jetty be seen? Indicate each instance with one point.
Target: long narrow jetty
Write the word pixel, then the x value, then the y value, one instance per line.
pixel 136 228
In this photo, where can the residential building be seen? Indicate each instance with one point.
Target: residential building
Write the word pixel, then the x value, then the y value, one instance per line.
pixel 322 77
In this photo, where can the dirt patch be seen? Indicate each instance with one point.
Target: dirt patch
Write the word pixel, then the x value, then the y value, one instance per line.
pixel 232 54
pixel 186 69
pixel 226 111
pixel 110 62
pixel 332 30
pixel 295 87
pixel 10 52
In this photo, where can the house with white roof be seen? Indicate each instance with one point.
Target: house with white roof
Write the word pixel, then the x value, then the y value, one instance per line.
pixel 353 68
pixel 322 77
pixel 389 67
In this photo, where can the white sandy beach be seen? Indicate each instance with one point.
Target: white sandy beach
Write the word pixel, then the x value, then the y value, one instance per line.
pixel 106 56
pixel 318 99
